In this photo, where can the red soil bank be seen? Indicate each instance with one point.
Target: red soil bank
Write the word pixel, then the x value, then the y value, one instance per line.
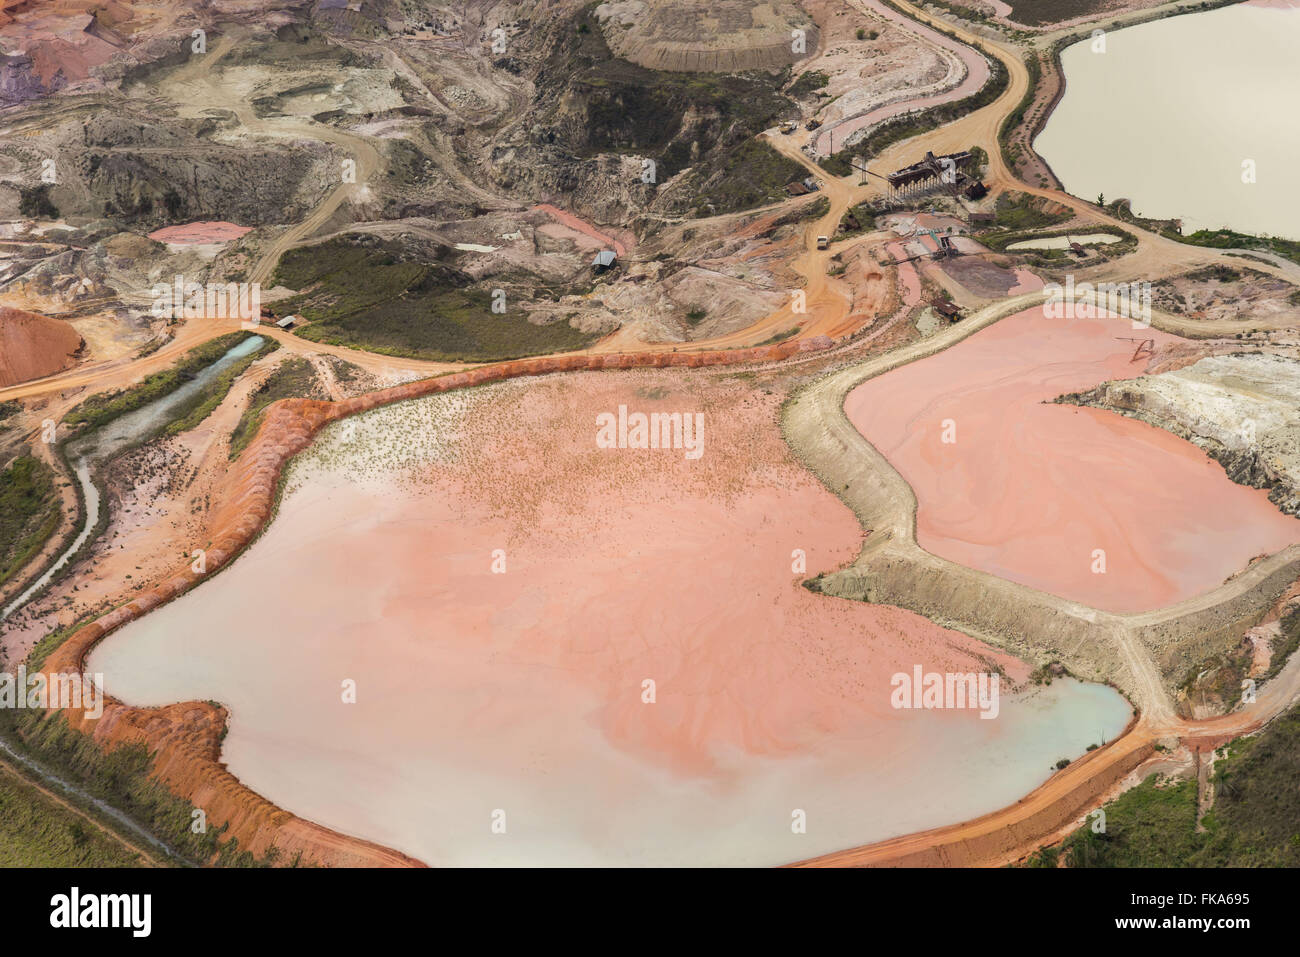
pixel 573 222
pixel 186 737
pixel 33 346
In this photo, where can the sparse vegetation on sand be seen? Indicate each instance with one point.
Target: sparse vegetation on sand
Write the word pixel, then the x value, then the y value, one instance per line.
pixel 29 512
pixel 392 442
pixel 51 642
pixel 104 407
pixel 372 295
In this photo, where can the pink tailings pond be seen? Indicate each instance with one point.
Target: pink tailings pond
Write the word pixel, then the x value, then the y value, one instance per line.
pixel 522 690
pixel 1029 489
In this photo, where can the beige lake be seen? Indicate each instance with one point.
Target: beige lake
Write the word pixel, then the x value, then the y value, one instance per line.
pixel 1171 111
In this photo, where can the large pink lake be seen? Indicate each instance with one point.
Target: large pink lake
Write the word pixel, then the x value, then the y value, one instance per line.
pixel 523 691
pixel 1030 490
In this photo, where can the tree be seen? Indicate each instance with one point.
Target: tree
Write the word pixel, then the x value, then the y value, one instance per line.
pixel 36 203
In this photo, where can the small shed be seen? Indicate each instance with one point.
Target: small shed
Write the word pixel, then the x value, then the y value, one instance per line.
pixel 947 309
pixel 976 190
pixel 288 322
pixel 605 259
pixel 981 219
pixel 797 189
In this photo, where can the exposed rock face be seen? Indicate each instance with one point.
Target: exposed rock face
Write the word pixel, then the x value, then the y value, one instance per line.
pixel 159 174
pixel 721 36
pixel 607 189
pixel 18 79
pixel 1242 409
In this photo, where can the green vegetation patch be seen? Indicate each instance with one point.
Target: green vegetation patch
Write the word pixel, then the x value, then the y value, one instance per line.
pixel 781 336
pixel 202 404
pixel 1037 13
pixel 122 778
pixel 368 294
pixel 999 241
pixel 818 208
pixel 35 203
pixel 1011 152
pixel 752 174
pixel 1254 821
pixel 1024 211
pixel 1230 239
pixel 809 83
pixel 37 831
pixel 678 119
pixel 1220 273
pixel 29 512
pixel 859 219
pixel 1284 645
pixel 1217 680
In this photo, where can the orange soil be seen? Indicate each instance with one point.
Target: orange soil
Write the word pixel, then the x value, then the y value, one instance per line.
pixel 195 233
pixel 33 346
